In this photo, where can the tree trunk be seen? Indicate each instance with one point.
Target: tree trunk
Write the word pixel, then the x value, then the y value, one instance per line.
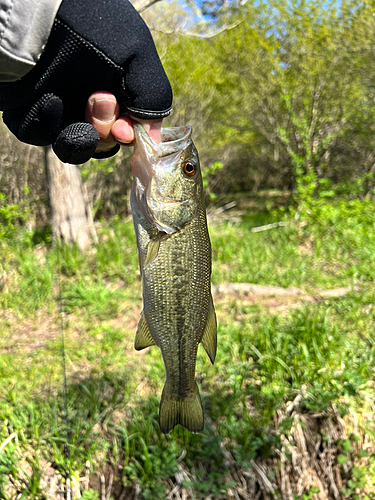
pixel 71 218
pixel 71 214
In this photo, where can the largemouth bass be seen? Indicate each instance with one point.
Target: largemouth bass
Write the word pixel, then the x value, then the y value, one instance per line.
pixel 174 253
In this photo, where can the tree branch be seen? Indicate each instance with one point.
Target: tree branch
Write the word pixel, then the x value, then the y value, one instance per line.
pixel 142 5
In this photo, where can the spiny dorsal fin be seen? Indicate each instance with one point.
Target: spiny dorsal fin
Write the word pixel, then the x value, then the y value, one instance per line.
pixel 209 339
pixel 143 337
pixel 153 249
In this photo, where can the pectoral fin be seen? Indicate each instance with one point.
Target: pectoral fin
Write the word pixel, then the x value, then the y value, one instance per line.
pixel 209 339
pixel 143 337
pixel 153 249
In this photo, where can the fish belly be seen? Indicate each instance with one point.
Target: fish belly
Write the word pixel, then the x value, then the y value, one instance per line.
pixel 176 291
pixel 176 295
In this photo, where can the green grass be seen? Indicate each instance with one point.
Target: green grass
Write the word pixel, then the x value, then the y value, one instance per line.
pixel 322 350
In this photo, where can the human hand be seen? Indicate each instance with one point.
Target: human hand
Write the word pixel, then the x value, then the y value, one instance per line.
pixel 94 44
pixel 102 111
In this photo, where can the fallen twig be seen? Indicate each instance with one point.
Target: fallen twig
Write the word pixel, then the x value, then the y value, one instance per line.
pixel 267 227
pixel 8 440
pixel 255 289
pixel 246 288
pixel 212 214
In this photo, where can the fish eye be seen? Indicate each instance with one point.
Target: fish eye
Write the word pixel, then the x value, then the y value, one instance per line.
pixel 189 168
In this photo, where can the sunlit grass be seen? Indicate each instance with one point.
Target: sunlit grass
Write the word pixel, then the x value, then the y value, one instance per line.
pixel 323 350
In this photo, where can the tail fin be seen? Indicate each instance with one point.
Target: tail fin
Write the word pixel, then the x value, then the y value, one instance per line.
pixel 187 412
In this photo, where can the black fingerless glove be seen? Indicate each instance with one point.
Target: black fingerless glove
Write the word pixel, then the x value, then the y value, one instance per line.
pixel 94 45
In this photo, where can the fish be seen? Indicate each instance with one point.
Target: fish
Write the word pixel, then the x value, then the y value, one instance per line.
pixel 174 251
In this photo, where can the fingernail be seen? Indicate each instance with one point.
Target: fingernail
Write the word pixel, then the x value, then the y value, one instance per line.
pixel 104 110
pixel 126 143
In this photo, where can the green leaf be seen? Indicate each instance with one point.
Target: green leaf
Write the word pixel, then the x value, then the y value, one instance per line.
pixel 342 459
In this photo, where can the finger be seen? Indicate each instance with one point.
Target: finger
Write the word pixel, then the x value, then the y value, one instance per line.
pixel 42 122
pixel 76 143
pixel 153 128
pixel 145 84
pixel 123 132
pixel 102 111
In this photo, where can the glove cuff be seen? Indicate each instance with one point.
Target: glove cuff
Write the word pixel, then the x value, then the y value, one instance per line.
pixel 143 114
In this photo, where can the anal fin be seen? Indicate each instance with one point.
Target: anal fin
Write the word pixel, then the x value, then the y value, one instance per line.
pixel 143 336
pixel 209 339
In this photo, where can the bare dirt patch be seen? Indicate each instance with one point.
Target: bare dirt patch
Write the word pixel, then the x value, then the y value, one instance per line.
pixel 27 335
pixel 35 333
pixel 307 462
pixel 273 298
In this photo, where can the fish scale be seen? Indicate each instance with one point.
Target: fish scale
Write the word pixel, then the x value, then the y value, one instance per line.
pixel 175 260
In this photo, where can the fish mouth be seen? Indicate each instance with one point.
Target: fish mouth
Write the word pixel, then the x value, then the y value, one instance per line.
pixel 173 140
pixel 153 157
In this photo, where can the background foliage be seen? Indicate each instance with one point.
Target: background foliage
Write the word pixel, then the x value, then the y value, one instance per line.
pixel 284 98
pixel 281 99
